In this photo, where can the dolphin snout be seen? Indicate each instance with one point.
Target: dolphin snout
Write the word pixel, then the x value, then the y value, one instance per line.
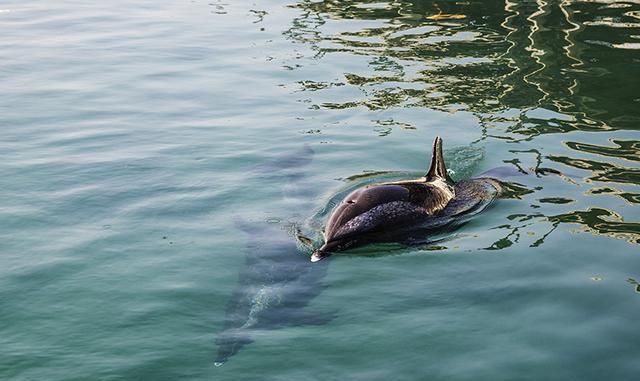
pixel 326 250
pixel 318 255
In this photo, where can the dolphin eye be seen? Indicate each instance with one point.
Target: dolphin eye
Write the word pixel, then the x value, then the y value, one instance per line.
pixel 350 202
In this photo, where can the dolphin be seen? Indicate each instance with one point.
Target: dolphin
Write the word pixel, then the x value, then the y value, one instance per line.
pixel 274 290
pixel 388 212
pixel 277 283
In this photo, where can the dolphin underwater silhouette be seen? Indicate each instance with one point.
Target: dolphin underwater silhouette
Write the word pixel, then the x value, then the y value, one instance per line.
pixel 273 292
pixel 276 283
pixel 386 212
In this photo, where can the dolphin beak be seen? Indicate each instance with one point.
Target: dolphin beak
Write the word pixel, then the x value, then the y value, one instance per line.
pixel 317 256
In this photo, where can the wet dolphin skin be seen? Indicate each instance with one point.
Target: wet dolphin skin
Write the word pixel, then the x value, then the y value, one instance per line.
pixel 377 212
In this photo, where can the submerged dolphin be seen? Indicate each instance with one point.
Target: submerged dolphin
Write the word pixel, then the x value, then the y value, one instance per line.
pixel 388 211
pixel 277 283
pixel 274 290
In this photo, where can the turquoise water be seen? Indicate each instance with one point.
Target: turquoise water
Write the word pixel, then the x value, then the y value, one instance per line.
pixel 139 138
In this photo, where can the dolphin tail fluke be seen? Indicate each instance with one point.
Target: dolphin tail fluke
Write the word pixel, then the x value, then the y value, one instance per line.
pixel 438 168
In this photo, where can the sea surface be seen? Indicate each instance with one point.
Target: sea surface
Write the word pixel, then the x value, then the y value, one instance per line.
pixel 149 148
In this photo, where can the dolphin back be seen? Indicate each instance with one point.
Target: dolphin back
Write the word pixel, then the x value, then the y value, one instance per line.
pixel 472 196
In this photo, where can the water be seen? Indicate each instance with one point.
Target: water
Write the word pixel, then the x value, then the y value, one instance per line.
pixel 137 134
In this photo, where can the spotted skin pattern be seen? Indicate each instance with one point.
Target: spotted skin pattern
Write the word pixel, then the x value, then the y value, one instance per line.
pixel 392 212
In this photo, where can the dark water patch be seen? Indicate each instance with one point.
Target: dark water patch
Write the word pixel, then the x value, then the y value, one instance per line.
pixel 630 197
pixel 602 171
pixel 627 149
pixel 601 221
pixel 594 220
pixel 556 200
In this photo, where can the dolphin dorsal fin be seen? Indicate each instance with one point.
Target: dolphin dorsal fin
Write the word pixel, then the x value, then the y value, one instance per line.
pixel 437 169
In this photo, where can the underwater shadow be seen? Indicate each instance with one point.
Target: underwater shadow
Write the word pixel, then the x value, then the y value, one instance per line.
pixel 277 281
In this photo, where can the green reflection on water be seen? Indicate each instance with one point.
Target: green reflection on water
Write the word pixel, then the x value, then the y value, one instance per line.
pixel 497 56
